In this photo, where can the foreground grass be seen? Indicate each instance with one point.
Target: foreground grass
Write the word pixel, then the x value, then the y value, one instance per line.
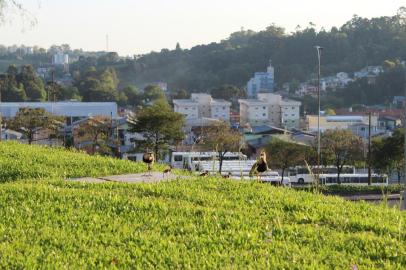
pixel 191 223
pixel 195 223
pixel 19 161
pixel 354 190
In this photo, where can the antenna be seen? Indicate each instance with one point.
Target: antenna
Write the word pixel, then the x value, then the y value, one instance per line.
pixel 107 43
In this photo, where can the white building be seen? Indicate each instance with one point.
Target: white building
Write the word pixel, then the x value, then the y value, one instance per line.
pixel 60 59
pixel 202 106
pixel 340 122
pixel 67 109
pixel 270 109
pixel 262 82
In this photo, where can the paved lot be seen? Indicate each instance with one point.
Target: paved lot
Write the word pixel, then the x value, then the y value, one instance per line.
pixel 154 177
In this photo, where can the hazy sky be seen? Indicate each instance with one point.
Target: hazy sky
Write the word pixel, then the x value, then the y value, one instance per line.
pixel 140 26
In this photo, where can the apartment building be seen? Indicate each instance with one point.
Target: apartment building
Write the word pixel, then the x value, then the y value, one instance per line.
pixel 202 106
pixel 270 109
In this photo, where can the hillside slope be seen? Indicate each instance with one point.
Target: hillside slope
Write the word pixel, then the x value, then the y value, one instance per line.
pixel 201 223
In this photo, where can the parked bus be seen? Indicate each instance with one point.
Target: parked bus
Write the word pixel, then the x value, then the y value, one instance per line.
pixel 301 174
pixel 185 160
pixel 354 179
pixel 328 176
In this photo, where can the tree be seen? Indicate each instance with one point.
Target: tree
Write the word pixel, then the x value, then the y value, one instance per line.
pixel 159 125
pixel 285 154
pixel 227 92
pixel 96 130
pixel 222 139
pixel 340 147
pixel 152 93
pixel 133 95
pixel 388 153
pixel 30 120
pixel 180 94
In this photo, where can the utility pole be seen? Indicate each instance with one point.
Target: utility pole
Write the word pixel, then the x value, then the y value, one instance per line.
pixel 403 206
pixel 319 50
pixel 369 149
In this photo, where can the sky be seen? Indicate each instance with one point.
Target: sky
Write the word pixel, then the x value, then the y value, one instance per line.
pixel 142 26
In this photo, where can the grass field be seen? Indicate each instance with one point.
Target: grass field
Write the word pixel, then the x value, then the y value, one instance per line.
pixel 192 223
pixel 19 161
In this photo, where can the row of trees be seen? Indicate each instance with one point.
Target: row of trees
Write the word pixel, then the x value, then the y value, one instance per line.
pixel 339 148
pixel 23 84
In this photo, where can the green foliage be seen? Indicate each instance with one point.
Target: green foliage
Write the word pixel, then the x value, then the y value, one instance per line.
pixel 222 139
pixel 152 93
pixel 159 125
pixel 19 161
pixel 193 223
pixel 340 147
pixel 31 120
pixel 388 153
pixel 283 154
pixel 354 45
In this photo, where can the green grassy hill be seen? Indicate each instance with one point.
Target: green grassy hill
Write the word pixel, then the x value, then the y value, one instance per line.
pixel 192 223
pixel 18 161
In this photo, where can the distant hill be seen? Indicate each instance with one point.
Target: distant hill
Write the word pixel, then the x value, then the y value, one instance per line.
pixel 357 43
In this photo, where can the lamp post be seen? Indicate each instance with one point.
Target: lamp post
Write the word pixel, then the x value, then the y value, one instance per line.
pixel 403 206
pixel 319 50
pixel 1 115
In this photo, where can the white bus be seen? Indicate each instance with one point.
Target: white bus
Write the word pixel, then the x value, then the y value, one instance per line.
pixel 301 174
pixel 185 160
pixel 328 176
pixel 354 179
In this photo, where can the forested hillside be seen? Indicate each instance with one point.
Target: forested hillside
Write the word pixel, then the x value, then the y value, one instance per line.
pixel 357 43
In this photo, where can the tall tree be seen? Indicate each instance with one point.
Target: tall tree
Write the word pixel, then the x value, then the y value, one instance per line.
pixel 283 154
pixel 340 147
pixel 95 130
pixel 159 125
pixel 221 138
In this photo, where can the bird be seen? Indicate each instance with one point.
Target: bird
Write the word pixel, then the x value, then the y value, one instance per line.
pixel 227 175
pixel 260 166
pixel 148 158
pixel 205 173
pixel 167 171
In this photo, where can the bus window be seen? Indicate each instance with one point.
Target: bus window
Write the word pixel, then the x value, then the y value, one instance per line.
pixel 292 172
pixel 178 158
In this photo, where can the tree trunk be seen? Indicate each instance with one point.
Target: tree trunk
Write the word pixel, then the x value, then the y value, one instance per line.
pixel 156 147
pixel 30 137
pixel 221 157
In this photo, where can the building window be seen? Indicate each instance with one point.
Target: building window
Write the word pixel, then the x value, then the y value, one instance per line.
pixel 224 108
pixel 263 114
pixel 264 107
pixel 256 108
pixel 293 115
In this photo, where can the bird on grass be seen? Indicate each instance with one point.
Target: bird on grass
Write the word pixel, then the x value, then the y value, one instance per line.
pixel 149 158
pixel 259 167
pixel 227 175
pixel 167 171
pixel 204 174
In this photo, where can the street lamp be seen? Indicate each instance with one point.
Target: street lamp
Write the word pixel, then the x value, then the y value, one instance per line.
pixel 319 51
